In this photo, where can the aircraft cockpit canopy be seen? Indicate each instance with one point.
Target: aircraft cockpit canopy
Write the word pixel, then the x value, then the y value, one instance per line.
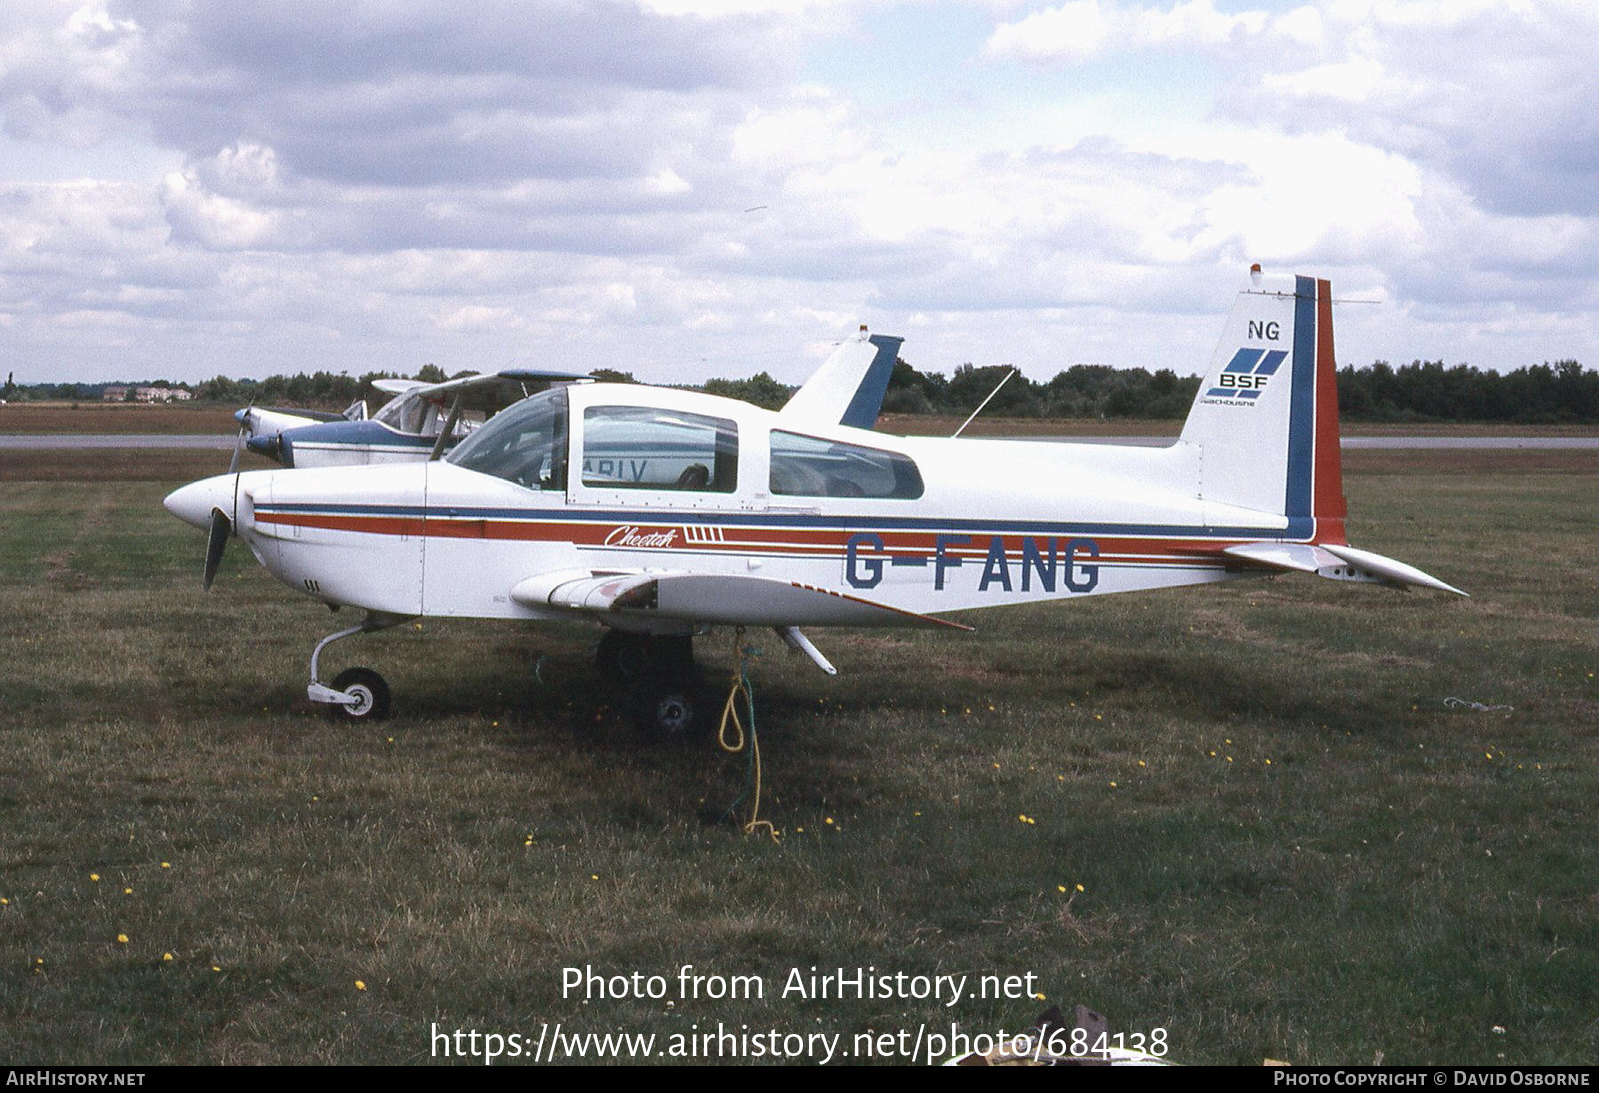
pixel 418 416
pixel 620 446
pixel 525 444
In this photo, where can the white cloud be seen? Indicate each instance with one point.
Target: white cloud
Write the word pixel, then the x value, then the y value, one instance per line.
pixel 1080 29
pixel 214 221
pixel 678 189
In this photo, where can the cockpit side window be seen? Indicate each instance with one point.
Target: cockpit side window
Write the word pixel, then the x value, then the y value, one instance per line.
pixel 808 466
pixel 525 444
pixel 646 447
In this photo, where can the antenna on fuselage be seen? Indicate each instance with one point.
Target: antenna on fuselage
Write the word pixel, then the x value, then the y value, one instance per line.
pixel 985 402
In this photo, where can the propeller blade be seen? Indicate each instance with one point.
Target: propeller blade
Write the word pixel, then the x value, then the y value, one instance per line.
pixel 215 543
pixel 238 448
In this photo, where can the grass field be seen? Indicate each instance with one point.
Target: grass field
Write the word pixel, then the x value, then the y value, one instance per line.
pixel 1288 844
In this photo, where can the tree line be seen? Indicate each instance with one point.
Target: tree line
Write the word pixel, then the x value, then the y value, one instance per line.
pixel 1422 391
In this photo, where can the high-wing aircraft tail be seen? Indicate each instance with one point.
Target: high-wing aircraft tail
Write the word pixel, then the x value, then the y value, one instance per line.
pixel 848 388
pixel 1265 423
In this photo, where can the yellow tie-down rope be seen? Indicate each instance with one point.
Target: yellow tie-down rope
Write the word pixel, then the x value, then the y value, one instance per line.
pixel 736 742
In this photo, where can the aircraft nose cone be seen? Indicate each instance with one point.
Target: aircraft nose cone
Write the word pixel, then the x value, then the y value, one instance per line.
pixel 193 503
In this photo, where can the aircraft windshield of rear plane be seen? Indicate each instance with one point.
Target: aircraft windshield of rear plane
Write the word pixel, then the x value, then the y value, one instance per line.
pixel 411 413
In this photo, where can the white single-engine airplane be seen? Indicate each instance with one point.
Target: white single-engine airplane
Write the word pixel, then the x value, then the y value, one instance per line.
pixel 661 513
pixel 420 421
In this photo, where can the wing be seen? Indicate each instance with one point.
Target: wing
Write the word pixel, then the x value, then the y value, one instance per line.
pixel 488 391
pixel 493 391
pixel 391 386
pixel 716 598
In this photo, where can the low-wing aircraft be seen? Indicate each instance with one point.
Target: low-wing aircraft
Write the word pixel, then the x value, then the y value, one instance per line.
pixel 420 421
pixel 662 513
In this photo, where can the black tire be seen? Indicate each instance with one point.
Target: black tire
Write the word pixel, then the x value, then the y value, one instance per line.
pixel 666 711
pixel 369 687
pixel 625 656
pixel 619 655
pixel 671 655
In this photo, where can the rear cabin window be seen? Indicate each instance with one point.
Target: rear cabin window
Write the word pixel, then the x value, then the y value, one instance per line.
pixel 644 447
pixel 808 466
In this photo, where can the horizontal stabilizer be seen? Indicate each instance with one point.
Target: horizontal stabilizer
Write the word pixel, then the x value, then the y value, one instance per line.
pixel 1389 570
pixel 1336 562
pixel 1302 557
pixel 715 598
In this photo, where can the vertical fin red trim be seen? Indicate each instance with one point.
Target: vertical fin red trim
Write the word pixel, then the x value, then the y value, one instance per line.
pixel 1329 506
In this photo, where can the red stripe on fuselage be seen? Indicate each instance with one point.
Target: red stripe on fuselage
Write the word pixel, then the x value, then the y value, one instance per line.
pixel 797 543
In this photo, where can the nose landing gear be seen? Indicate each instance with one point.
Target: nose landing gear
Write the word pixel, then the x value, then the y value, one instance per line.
pixel 358 694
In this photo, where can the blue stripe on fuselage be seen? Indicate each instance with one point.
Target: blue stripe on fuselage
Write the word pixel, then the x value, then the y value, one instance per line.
pixel 1295 529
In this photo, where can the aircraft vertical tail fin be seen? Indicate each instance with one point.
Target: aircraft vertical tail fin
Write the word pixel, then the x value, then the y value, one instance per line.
pixel 848 388
pixel 1265 420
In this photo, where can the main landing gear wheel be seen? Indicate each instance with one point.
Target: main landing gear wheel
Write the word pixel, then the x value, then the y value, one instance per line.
pixel 624 656
pixel 665 710
pixel 620 655
pixel 370 691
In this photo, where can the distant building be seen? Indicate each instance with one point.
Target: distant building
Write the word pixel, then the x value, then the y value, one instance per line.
pixel 146 394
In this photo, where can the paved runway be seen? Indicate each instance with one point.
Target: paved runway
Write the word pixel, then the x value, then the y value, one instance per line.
pixel 39 441
pixel 35 441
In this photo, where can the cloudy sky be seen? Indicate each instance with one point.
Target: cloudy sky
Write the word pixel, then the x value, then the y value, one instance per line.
pixel 681 188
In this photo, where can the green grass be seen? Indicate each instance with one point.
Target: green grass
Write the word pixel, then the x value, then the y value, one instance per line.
pixel 1288 845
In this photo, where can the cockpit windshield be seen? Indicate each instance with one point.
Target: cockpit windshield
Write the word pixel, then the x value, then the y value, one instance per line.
pixel 525 444
pixel 421 416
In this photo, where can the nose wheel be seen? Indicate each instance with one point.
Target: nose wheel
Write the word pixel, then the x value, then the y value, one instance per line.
pixel 357 694
pixel 367 692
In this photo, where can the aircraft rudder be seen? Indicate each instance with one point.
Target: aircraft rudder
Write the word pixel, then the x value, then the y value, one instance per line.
pixel 1329 506
pixel 867 404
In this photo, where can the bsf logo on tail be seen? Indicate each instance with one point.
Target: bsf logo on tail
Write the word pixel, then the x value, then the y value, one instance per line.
pixel 1247 374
